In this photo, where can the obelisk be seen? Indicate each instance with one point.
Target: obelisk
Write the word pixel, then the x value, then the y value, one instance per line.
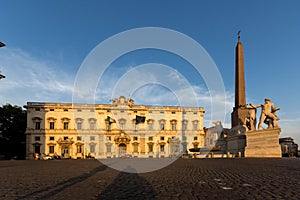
pixel 240 112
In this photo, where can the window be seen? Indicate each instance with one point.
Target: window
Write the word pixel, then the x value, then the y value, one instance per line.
pixel 92 148
pixel 66 124
pixel 135 138
pixel 183 126
pixel 108 127
pixel 79 125
pixel 173 127
pixel 79 138
pixel 150 147
pixel 195 113
pixel 150 126
pixel 37 125
pixel 66 110
pixel 51 109
pixel 173 112
pixel 92 125
pixel 135 111
pixel 150 138
pixel 37 138
pixel 162 138
pixel 162 147
pixel 37 109
pixel 108 148
pixel 37 149
pixel 162 126
pixel 135 127
pixel 79 148
pixel 195 138
pixel 51 138
pixel 108 110
pixel 184 112
pixel 161 112
pixel 122 111
pixel 135 148
pixel 66 138
pixel 92 138
pixel 51 125
pixel 122 125
pixel 79 110
pixel 195 126
pixel 51 149
pixel 150 111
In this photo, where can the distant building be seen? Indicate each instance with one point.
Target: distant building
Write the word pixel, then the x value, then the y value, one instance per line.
pixel 288 147
pixel 112 130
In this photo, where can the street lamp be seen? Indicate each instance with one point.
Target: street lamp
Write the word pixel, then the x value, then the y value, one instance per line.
pixel 2 45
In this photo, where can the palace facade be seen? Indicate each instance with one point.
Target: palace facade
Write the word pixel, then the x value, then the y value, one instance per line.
pixel 112 130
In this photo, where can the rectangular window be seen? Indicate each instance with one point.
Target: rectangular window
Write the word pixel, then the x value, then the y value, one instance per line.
pixel 51 138
pixel 66 110
pixel 37 109
pixel 195 138
pixel 51 149
pixel 79 148
pixel 162 147
pixel 122 126
pixel 195 113
pixel 51 125
pixel 184 127
pixel 66 138
pixel 92 125
pixel 162 138
pixel 135 138
pixel 135 111
pixel 51 109
pixel 79 110
pixel 162 126
pixel 150 127
pixel 79 138
pixel 173 127
pixel 108 148
pixel 135 148
pixel 37 125
pixel 92 138
pixel 161 112
pixel 37 149
pixel 173 112
pixel 195 127
pixel 150 138
pixel 66 125
pixel 150 147
pixel 92 148
pixel 37 138
pixel 79 125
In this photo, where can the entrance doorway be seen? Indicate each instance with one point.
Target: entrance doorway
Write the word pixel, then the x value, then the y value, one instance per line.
pixel 122 149
pixel 65 152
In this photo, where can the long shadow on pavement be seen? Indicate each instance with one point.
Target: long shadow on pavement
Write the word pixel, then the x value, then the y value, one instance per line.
pixel 128 186
pixel 59 187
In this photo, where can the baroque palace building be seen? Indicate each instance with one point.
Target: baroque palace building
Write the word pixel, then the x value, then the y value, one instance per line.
pixel 112 130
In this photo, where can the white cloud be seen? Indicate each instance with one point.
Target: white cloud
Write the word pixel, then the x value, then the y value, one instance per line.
pixel 30 79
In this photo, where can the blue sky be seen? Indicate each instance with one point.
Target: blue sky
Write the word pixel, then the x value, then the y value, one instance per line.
pixel 48 41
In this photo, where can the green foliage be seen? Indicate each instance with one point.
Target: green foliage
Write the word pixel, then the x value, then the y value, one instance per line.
pixel 12 131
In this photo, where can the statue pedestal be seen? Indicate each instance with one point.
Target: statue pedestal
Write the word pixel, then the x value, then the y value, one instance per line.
pixel 263 143
pixel 257 143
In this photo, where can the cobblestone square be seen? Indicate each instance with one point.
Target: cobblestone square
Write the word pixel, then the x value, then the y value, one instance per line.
pixel 183 179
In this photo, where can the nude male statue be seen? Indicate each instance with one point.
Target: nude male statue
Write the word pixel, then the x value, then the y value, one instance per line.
pixel 268 114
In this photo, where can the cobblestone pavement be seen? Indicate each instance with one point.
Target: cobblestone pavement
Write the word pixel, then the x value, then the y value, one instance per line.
pixel 183 179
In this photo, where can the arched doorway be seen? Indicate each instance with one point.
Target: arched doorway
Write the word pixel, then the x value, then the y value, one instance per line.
pixel 122 149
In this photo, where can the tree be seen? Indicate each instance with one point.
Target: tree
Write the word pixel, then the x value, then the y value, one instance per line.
pixel 12 131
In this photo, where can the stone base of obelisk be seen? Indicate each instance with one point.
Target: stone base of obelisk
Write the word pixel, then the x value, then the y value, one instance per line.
pixel 257 143
pixel 263 143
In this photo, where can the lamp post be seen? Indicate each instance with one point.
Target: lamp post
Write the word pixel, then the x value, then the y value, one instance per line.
pixel 2 45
